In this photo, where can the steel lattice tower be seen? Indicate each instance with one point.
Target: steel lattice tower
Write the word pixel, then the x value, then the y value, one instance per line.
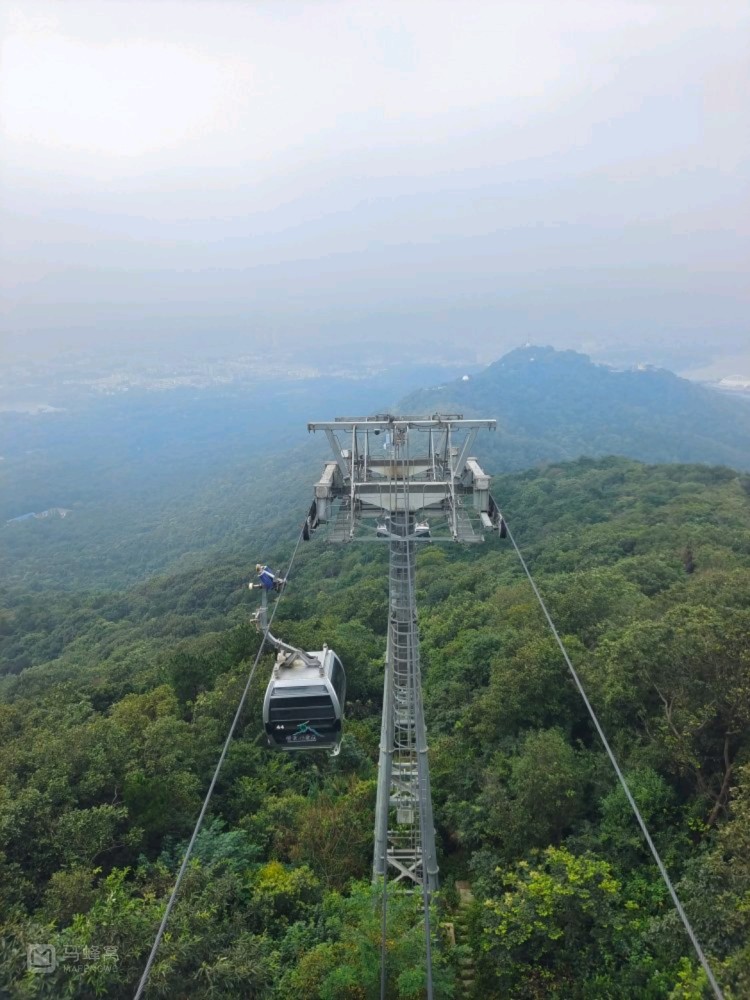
pixel 394 470
pixel 408 845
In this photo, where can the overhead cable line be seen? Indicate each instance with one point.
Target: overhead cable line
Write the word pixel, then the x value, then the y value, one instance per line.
pixel 183 867
pixel 613 760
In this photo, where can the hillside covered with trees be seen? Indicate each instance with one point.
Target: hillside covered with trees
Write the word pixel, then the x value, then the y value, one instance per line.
pixel 158 482
pixel 114 706
pixel 558 405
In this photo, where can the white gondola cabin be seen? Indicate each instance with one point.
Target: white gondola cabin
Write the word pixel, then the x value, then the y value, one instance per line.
pixel 304 703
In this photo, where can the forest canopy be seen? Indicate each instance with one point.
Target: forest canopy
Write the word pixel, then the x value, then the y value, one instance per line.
pixel 114 706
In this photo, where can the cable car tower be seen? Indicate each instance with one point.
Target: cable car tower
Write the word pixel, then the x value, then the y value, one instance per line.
pixel 405 481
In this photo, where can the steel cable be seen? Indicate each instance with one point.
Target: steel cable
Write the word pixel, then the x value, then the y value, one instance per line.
pixel 613 760
pixel 183 867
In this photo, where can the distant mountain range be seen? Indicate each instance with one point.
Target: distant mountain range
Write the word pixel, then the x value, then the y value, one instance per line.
pixel 556 405
pixel 157 480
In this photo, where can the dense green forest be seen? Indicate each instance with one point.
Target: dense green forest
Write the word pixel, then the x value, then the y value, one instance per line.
pixel 158 479
pixel 115 704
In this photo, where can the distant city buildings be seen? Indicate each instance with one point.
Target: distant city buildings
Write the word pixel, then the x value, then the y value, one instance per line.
pixel 52 512
pixel 734 383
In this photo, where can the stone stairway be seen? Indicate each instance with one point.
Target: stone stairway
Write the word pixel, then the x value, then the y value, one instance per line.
pixel 461 930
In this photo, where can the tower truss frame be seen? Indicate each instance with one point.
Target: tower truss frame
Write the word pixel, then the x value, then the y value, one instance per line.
pixel 387 473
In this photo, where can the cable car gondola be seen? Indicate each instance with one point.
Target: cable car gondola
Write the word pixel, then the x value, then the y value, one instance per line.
pixel 304 704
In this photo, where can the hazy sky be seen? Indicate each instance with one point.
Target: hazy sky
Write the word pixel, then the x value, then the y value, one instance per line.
pixel 470 175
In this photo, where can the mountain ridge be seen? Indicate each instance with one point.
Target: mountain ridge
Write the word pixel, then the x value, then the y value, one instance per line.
pixel 557 405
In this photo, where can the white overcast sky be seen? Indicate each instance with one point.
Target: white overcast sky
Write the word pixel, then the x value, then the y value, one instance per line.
pixel 210 175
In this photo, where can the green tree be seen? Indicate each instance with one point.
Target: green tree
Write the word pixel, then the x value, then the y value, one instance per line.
pixel 556 928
